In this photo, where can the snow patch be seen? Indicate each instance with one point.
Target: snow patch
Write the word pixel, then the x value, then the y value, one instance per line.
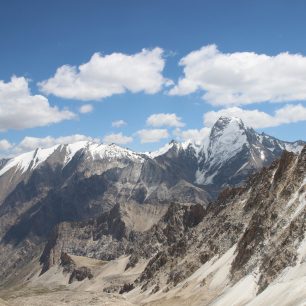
pixel 29 160
pixel 72 149
pixel 160 151
pixel 110 152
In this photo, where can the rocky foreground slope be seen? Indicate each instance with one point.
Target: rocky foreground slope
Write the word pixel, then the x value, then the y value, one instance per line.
pixel 81 224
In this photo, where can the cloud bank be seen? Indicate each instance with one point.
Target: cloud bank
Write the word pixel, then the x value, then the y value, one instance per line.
pixel 162 119
pixel 258 119
pixel 197 136
pixel 31 143
pixel 19 109
pixel 106 75
pixel 5 145
pixel 154 135
pixel 117 138
pixel 242 77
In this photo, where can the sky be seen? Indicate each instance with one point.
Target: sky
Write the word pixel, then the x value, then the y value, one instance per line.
pixel 141 72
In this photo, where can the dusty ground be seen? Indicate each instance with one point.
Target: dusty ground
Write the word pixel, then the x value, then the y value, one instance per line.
pixel 209 285
pixel 73 298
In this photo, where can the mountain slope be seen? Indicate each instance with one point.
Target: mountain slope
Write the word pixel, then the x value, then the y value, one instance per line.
pixel 247 248
pixel 107 202
pixel 228 156
pixel 77 182
pixel 234 151
pixel 231 153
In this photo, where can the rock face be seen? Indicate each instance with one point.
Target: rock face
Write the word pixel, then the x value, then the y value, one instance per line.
pixel 79 274
pixel 105 202
pixel 76 273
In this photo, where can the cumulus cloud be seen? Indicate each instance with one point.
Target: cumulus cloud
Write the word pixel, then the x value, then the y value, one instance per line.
pixel 118 123
pixel 153 135
pixel 86 108
pixel 20 109
pixel 197 136
pixel 259 119
pixel 117 138
pixel 242 77
pixel 106 75
pixel 162 119
pixel 31 143
pixel 5 145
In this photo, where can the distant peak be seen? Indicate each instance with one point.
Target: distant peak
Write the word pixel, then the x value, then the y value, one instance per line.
pixel 228 119
pixel 173 142
pixel 224 122
pixel 112 144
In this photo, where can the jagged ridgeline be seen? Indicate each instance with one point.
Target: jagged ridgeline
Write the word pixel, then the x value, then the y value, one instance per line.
pixel 208 224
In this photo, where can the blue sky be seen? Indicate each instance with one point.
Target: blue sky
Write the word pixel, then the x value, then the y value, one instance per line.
pixel 246 39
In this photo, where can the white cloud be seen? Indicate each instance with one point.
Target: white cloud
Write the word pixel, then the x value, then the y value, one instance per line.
pixel 31 143
pixel 20 109
pixel 158 120
pixel 197 136
pixel 154 135
pixel 86 108
pixel 118 123
pixel 5 145
pixel 259 119
pixel 118 138
pixel 106 75
pixel 242 77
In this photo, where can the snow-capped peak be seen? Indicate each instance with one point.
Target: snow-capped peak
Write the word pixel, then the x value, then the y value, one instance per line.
pixel 31 160
pixel 164 149
pixel 228 135
pixel 111 151
pixel 229 124
pixel 231 145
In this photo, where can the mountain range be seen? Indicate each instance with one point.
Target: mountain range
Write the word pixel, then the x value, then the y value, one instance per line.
pixel 204 224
